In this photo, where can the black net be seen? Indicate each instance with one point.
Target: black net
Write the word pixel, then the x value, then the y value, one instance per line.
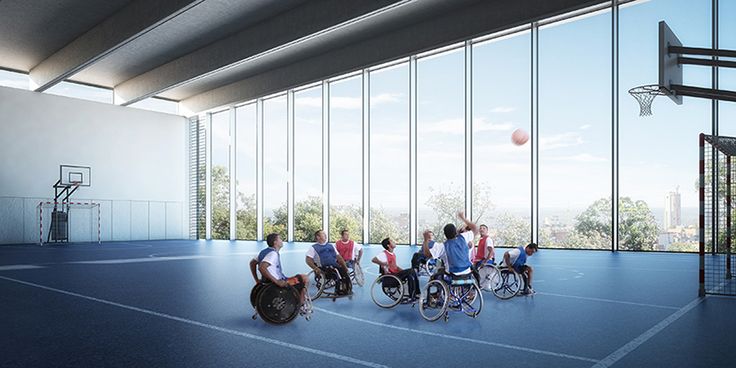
pixel 718 210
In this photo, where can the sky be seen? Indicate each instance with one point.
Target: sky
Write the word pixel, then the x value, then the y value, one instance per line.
pixel 657 154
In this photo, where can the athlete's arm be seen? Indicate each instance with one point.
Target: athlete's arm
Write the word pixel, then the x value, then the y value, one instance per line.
pixel 263 267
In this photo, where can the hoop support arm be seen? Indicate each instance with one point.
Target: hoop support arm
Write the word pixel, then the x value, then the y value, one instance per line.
pixel 710 93
pixel 701 51
pixel 706 62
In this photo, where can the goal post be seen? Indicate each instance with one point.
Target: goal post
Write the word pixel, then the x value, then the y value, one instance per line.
pixel 85 216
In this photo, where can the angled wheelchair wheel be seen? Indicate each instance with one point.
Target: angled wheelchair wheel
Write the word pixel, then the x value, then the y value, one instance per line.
pixel 278 305
pixel 472 301
pixel 485 276
pixel 387 291
pixel 254 293
pixel 434 300
pixel 316 285
pixel 506 283
pixel 357 274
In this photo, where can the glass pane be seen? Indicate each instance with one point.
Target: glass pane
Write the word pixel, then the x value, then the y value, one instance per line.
pixel 82 91
pixel 502 170
pixel 389 142
pixel 221 175
pixel 275 171
pixel 440 141
pixel 307 163
pixel 14 80
pixel 346 158
pixel 659 155
pixel 575 133
pixel 245 203
pixel 158 104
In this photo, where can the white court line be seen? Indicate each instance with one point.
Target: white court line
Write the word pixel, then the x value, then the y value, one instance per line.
pixel 205 325
pixel 19 267
pixel 607 300
pixel 635 343
pixel 459 338
pixel 138 260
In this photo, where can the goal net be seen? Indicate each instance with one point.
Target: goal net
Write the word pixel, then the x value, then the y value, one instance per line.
pixel 68 222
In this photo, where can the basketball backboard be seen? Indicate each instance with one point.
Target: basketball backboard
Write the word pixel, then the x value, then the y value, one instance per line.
pixel 71 175
pixel 670 71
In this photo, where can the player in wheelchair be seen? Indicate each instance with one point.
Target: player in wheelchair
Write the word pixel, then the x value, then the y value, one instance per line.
pixel 351 252
pixel 276 298
pixel 393 285
pixel 456 289
pixel 425 266
pixel 329 276
pixel 483 258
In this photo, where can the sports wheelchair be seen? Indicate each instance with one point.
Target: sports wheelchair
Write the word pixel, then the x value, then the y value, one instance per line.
pixel 504 282
pixel 388 291
pixel 326 284
pixel 277 305
pixel 356 273
pixel 447 293
pixel 427 267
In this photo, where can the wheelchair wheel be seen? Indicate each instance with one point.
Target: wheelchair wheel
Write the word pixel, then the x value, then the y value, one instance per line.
pixel 387 291
pixel 472 301
pixel 254 293
pixel 506 283
pixel 278 305
pixel 358 274
pixel 485 276
pixel 434 300
pixel 316 285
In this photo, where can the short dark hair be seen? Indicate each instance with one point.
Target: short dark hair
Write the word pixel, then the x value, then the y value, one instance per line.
pixel 316 233
pixel 450 231
pixel 385 243
pixel 483 225
pixel 271 239
pixel 343 232
pixel 533 246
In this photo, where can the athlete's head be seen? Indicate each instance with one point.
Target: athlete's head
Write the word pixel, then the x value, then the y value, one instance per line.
pixel 450 231
pixel 345 235
pixel 388 244
pixel 274 241
pixel 531 248
pixel 483 230
pixel 320 237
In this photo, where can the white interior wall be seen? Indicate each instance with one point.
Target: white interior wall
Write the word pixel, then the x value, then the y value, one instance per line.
pixel 138 160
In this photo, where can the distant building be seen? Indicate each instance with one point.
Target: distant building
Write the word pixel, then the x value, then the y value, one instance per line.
pixel 672 210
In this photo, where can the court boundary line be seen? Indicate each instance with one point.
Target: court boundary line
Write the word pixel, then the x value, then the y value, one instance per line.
pixel 204 325
pixel 459 338
pixel 608 300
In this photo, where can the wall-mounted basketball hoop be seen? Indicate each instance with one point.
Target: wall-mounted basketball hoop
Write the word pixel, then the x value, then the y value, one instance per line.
pixel 672 56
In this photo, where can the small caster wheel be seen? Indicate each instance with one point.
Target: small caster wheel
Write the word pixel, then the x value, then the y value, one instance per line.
pixel 254 317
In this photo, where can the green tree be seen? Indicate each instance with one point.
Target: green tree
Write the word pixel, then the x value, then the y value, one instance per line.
pixel 220 203
pixel 637 226
pixel 446 202
pixel 246 217
pixel 346 217
pixel 307 218
pixel 512 230
pixel 382 227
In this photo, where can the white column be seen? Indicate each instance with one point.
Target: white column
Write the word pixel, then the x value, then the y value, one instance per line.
pixel 366 156
pixel 535 131
pixel 290 164
pixel 413 151
pixel 233 175
pixel 326 156
pixel 208 182
pixel 469 129
pixel 259 170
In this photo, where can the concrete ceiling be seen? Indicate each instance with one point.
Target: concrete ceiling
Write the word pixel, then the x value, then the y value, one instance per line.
pixel 209 53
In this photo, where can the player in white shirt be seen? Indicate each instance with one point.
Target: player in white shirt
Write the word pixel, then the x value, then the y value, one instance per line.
pixel 516 258
pixel 268 263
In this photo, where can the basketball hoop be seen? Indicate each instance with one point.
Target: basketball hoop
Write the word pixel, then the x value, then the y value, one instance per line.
pixel 645 96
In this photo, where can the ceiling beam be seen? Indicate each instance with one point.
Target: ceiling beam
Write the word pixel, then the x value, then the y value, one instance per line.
pixel 131 22
pixel 466 23
pixel 305 21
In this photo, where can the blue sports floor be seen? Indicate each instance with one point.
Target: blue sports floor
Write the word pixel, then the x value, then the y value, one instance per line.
pixel 185 304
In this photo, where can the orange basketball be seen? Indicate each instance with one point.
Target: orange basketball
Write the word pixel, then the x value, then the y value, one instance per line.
pixel 519 137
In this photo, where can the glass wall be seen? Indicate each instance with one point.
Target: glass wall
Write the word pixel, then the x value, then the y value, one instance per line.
pixel 727 76
pixel 14 80
pixel 389 154
pixel 658 155
pixel 308 147
pixel 158 105
pixel 346 158
pixel 275 170
pixel 85 92
pixel 221 175
pixel 575 133
pixel 245 184
pixel 501 169
pixel 440 140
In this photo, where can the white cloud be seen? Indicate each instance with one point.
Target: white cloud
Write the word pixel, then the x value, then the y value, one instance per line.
pixel 483 125
pixel 585 127
pixel 503 109
pixel 583 157
pixel 350 103
pixel 308 101
pixel 381 139
pixel 447 126
pixel 385 98
pixel 562 140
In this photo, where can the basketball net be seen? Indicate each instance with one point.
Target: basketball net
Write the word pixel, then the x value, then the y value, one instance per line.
pixel 645 96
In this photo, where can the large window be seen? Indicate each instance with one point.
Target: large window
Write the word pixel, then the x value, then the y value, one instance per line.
pixel 501 169
pixel 658 155
pixel 245 185
pixel 575 133
pixel 82 91
pixel 389 159
pixel 158 105
pixel 13 79
pixel 308 147
pixel 221 175
pixel 346 158
pixel 275 175
pixel 727 76
pixel 440 140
